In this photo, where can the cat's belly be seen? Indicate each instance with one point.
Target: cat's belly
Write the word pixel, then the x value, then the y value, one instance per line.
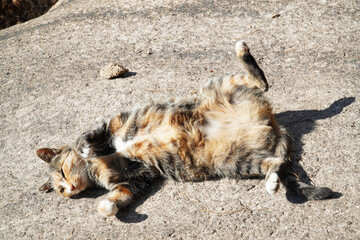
pixel 147 146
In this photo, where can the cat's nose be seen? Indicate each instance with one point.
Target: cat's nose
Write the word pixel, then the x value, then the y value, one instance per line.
pixel 72 188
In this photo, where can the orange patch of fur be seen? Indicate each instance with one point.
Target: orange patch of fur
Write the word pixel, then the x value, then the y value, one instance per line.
pixel 120 195
pixel 115 124
pixel 146 151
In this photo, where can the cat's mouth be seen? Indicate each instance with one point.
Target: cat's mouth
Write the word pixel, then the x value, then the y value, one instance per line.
pixel 73 191
pixel 68 194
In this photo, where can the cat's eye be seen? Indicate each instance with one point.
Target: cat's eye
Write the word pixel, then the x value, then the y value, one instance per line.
pixel 62 173
pixel 61 190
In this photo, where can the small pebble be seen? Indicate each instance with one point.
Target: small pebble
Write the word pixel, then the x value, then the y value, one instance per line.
pixel 112 70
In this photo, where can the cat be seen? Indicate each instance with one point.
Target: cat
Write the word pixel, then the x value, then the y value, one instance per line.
pixel 228 131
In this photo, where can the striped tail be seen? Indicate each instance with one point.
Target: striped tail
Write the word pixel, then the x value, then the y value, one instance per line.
pixel 310 192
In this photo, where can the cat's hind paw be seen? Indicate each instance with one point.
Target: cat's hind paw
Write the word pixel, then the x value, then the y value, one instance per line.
pixel 107 208
pixel 272 183
pixel 241 48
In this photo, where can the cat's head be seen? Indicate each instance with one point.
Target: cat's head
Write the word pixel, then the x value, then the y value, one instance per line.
pixel 70 171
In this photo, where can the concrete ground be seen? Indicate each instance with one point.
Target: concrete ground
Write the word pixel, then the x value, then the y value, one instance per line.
pixel 51 92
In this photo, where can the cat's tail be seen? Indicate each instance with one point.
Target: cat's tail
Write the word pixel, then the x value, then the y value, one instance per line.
pixel 288 177
pixel 250 65
pixel 310 192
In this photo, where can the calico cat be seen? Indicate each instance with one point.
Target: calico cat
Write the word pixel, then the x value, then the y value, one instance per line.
pixel 228 131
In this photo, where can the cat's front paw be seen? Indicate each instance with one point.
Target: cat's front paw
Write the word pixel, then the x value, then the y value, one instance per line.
pixel 272 183
pixel 107 208
pixel 83 147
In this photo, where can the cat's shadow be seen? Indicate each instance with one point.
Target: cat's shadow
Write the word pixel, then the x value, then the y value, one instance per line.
pixel 300 123
pixel 127 214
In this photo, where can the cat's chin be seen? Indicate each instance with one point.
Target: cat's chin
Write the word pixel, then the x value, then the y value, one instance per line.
pixel 71 193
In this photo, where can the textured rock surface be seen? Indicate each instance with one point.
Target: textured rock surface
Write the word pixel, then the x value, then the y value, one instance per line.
pixel 51 91
pixel 113 70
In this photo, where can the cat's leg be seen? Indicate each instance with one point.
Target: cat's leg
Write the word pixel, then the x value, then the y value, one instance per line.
pixel 261 164
pixel 255 77
pixel 91 139
pixel 274 166
pixel 112 172
pixel 122 194
pixel 98 140
pixel 271 167
pixel 83 147
pixel 122 176
pixel 119 196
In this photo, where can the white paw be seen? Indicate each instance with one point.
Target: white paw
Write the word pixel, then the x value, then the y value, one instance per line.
pixel 241 48
pixel 85 152
pixel 107 208
pixel 83 147
pixel 272 183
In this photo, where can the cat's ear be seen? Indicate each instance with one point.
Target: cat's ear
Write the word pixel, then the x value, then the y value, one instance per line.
pixel 46 187
pixel 47 154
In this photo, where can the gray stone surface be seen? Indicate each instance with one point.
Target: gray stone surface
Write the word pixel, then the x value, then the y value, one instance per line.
pixel 51 92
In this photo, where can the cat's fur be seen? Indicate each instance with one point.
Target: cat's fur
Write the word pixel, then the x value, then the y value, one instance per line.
pixel 229 131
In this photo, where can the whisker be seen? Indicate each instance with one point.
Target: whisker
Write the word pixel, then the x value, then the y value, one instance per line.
pixel 83 170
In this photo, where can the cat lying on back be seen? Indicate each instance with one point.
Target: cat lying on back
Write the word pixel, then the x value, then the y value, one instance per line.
pixel 229 131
